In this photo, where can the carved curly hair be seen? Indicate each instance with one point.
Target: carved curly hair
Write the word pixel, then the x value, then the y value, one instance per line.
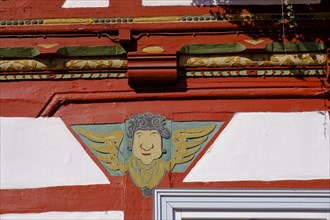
pixel 148 121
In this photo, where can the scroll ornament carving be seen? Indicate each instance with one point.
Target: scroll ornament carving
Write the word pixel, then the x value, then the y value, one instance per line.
pixel 22 65
pixel 61 64
pixel 95 64
pixel 275 60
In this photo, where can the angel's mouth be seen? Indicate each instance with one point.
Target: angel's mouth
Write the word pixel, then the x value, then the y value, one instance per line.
pixel 146 154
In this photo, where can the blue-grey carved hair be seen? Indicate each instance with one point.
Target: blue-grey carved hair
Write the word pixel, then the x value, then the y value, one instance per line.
pixel 148 121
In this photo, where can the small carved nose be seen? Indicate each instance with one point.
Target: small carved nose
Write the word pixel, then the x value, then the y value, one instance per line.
pixel 146 147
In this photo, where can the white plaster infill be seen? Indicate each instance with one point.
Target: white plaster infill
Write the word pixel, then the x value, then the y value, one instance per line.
pixel 86 4
pixel 222 2
pixel 268 147
pixel 42 152
pixel 108 215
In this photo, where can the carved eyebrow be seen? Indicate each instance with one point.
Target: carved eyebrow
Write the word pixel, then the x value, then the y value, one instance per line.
pixel 155 132
pixel 138 132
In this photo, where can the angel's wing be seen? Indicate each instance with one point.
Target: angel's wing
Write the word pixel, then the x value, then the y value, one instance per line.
pixel 106 146
pixel 188 142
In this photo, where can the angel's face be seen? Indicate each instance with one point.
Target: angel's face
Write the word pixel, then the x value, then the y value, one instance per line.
pixel 147 145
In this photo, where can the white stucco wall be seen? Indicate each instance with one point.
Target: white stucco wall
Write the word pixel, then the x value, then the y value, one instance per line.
pixel 85 4
pixel 42 152
pixel 266 147
pixel 109 215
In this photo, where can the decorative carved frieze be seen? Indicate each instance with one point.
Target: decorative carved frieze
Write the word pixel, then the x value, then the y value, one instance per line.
pixel 265 72
pixel 159 19
pixel 60 76
pixel 255 60
pixel 95 64
pixel 61 64
pixel 22 65
pixel 213 73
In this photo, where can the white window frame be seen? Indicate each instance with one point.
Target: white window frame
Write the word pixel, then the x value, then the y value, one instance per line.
pixel 180 204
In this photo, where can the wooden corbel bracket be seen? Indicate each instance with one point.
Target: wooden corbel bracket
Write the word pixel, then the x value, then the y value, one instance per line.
pixel 124 36
pixel 151 69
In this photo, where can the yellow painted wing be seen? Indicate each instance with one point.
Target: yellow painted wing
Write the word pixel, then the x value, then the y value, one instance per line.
pixel 188 142
pixel 106 146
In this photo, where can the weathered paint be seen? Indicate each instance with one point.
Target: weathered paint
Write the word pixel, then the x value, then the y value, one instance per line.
pixel 41 152
pixel 268 147
pixel 106 215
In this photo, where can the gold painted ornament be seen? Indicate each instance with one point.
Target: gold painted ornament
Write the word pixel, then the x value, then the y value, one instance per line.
pixel 145 164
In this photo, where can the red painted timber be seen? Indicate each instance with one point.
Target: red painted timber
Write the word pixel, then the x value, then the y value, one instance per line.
pixel 114 28
pixel 117 112
pixel 171 42
pixel 59 99
pixel 31 9
pixel 31 98
pixel 127 198
pixel 151 69
pixel 64 198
